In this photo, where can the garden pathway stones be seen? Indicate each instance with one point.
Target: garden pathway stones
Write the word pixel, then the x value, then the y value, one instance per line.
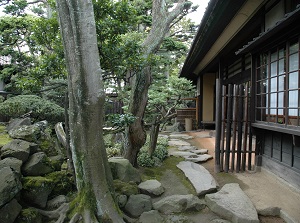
pixel 232 204
pixel 151 187
pixel 199 177
pixel 198 158
pixel 181 136
pixel 178 142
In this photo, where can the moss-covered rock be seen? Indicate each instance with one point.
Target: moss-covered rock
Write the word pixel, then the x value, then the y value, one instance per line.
pixel 126 188
pixel 36 190
pixel 29 215
pixel 63 183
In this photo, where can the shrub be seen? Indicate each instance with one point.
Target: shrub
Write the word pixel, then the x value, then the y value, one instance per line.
pixel 39 108
pixel 160 153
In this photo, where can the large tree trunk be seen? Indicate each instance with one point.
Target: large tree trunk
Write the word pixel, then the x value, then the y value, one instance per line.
pixel 86 100
pixel 161 22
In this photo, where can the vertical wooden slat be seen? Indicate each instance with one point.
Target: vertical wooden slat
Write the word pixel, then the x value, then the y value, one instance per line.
pixel 245 133
pixel 250 149
pixel 228 127
pixel 218 125
pixel 240 131
pixel 223 127
pixel 234 119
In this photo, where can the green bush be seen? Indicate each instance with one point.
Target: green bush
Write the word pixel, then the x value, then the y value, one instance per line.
pixel 160 153
pixel 40 109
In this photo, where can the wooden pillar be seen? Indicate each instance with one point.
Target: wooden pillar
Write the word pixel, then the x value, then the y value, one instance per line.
pixel 218 124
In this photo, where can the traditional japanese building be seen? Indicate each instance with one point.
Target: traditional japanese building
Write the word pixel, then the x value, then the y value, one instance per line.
pixel 245 63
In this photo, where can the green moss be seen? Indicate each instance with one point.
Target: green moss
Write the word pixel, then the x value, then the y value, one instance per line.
pixel 63 181
pixel 168 164
pixel 29 215
pixel 125 188
pixel 32 183
pixel 4 137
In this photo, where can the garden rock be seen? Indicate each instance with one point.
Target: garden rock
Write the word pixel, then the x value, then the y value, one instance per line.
pixel 200 178
pixel 176 219
pixel 200 151
pixel 179 203
pixel 137 204
pixel 187 148
pixel 181 136
pixel 38 164
pixel 151 187
pixel 232 204
pixel 122 169
pixel 14 163
pixel 57 161
pixel 198 158
pixel 29 133
pixel 122 200
pixel 56 202
pixel 17 122
pixel 177 143
pixel 181 153
pixel 17 148
pixel 150 217
pixel 10 211
pixel 10 185
pixel 36 190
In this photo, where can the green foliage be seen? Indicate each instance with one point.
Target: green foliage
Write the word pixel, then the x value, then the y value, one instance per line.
pixel 4 137
pixel 161 153
pixel 120 120
pixel 40 109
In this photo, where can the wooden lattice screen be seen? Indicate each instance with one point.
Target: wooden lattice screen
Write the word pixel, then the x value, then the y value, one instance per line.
pixel 234 148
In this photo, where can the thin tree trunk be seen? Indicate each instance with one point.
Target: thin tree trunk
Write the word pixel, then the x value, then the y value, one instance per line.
pixel 161 22
pixel 86 100
pixel 153 138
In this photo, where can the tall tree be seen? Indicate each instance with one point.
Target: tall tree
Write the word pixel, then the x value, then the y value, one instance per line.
pixel 86 98
pixel 162 20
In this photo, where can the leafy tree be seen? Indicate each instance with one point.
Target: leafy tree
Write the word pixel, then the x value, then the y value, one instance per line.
pixel 163 18
pixel 164 98
pixel 86 99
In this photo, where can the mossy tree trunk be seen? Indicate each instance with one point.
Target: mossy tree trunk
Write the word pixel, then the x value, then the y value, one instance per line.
pixel 162 20
pixel 86 100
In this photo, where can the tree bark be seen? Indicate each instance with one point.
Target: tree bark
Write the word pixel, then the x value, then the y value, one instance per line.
pixel 86 100
pixel 153 137
pixel 161 22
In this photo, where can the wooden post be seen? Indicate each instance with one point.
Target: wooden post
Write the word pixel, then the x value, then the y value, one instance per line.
pixel 245 133
pixel 218 125
pixel 235 109
pixel 240 130
pixel 228 127
pixel 223 112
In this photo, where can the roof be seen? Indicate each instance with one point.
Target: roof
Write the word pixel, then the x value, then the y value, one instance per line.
pixel 288 19
pixel 216 17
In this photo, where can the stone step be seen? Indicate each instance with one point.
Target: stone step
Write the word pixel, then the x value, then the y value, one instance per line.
pixel 200 178
pixel 232 204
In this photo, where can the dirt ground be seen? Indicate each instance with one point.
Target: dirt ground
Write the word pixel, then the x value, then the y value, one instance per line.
pixel 263 188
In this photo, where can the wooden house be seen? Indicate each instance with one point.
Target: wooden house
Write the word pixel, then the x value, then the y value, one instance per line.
pixel 245 63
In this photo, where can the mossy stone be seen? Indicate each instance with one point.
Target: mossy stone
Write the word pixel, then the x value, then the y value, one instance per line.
pixel 126 188
pixel 29 215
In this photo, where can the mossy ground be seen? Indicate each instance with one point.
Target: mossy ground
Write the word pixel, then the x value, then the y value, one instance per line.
pixel 4 137
pixel 169 163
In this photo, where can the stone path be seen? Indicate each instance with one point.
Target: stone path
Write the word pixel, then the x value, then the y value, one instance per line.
pixel 230 203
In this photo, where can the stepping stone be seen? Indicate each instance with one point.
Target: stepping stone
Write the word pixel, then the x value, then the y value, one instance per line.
pixel 199 177
pixel 181 136
pixel 178 143
pixel 200 151
pixel 181 153
pixel 232 204
pixel 151 187
pixel 187 148
pixel 198 158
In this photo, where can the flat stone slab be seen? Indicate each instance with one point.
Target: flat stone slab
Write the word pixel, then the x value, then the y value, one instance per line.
pixel 198 158
pixel 181 153
pixel 187 148
pixel 181 136
pixel 199 177
pixel 200 151
pixel 178 143
pixel 232 204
